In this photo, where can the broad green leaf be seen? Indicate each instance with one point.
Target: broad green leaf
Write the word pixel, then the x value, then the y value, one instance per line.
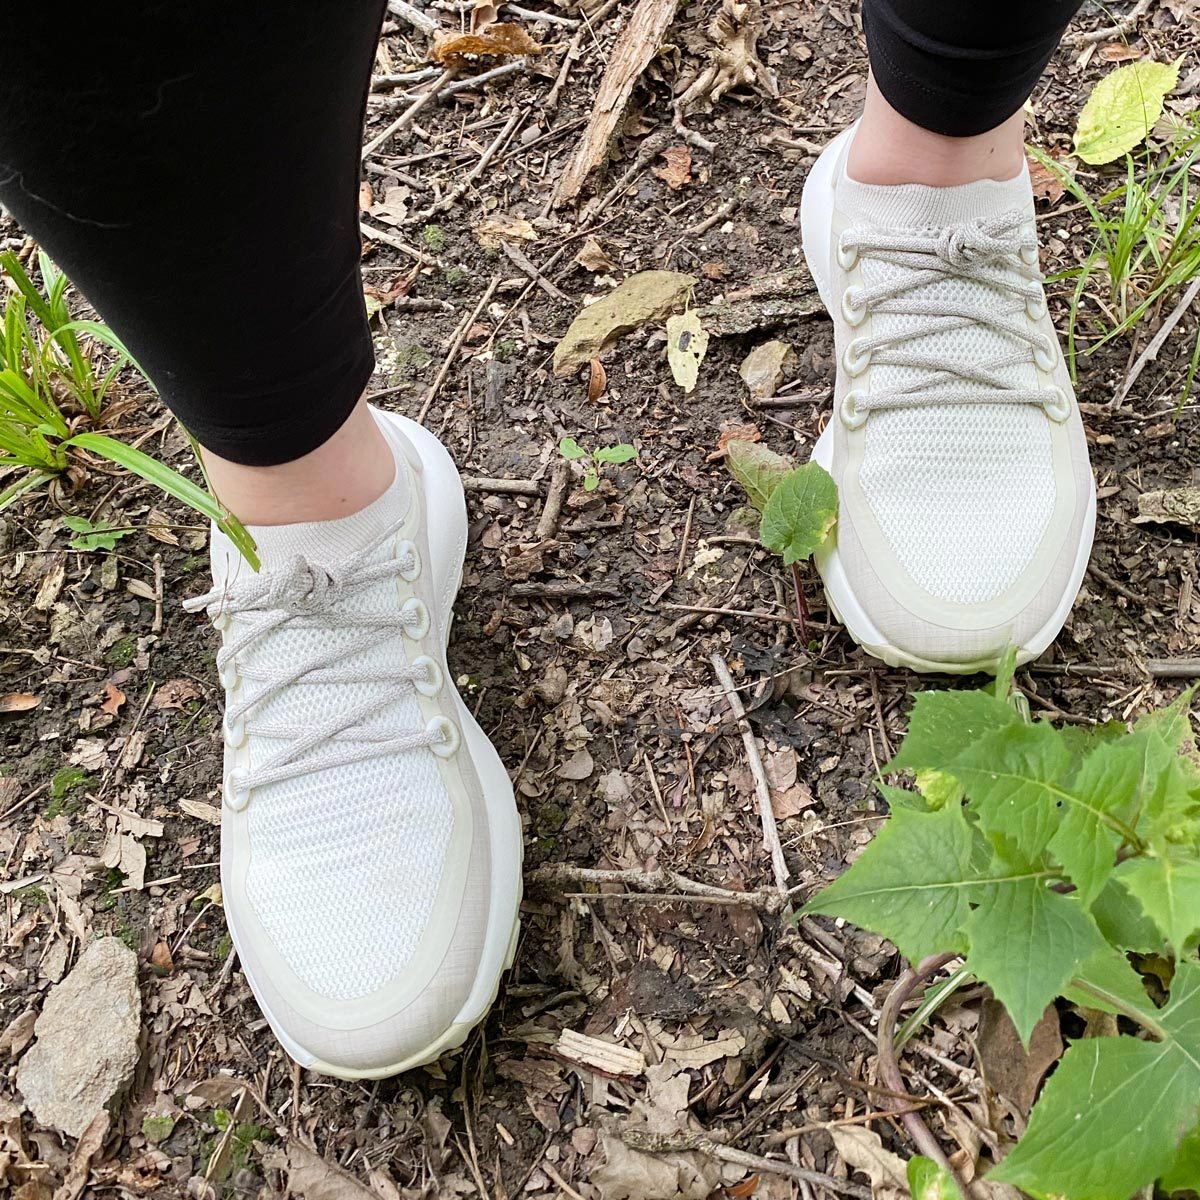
pixel 1168 890
pixel 928 1180
pixel 1122 109
pixel 1113 1115
pixel 1184 1173
pixel 757 469
pixel 1173 723
pixel 800 513
pixel 912 884
pixel 1014 783
pixel 687 343
pixel 93 537
pixel 1109 781
pixel 570 449
pixel 1027 942
pixel 944 724
pixel 1107 981
pixel 621 453
pixel 898 797
pixel 1123 921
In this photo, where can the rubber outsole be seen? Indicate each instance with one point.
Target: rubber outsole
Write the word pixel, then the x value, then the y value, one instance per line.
pixel 816 221
pixel 474 1011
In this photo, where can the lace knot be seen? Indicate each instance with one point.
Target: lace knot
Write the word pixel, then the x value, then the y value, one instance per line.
pixel 301 587
pixel 963 245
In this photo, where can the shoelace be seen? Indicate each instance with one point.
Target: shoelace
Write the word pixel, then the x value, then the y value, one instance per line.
pixel 310 596
pixel 1001 256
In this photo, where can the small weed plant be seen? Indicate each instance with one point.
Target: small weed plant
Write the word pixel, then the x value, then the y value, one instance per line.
pixel 797 506
pixel 1055 863
pixel 593 461
pixel 52 400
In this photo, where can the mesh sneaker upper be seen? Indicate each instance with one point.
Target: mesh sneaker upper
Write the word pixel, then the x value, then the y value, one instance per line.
pixel 962 492
pixel 345 861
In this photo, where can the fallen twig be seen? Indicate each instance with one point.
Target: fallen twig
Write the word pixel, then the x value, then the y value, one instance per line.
pixel 407 117
pixel 1156 343
pixel 501 487
pixel 1120 29
pixel 521 261
pixel 397 243
pixel 655 884
pixel 560 480
pixel 451 197
pixel 761 787
pixel 455 345
pixel 662 1143
pixel 414 16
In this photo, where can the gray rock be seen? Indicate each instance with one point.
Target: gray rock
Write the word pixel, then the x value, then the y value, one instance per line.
pixel 87 1039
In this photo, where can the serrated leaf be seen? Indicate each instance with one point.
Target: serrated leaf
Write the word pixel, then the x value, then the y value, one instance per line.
pixel 1014 784
pixel 944 724
pixel 570 449
pixel 1168 890
pixel 1054 935
pixel 1123 921
pixel 1183 1175
pixel 687 343
pixel 1109 781
pixel 939 788
pixel 800 513
pixel 912 884
pixel 898 797
pixel 928 1180
pixel 1113 1115
pixel 1106 981
pixel 94 537
pixel 1122 109
pixel 621 453
pixel 757 469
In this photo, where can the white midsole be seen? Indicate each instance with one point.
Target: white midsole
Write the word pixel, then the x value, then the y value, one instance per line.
pixel 816 220
pixel 504 822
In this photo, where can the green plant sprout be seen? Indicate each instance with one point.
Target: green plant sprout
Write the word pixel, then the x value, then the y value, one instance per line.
pixel 52 400
pixel 593 460
pixel 797 507
pixel 1043 859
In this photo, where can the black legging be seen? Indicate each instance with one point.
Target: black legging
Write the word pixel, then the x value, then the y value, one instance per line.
pixel 193 167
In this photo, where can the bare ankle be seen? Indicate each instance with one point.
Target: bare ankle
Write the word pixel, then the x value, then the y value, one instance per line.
pixel 340 477
pixel 890 149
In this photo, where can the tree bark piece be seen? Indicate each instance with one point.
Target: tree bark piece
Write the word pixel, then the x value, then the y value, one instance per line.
pixel 639 41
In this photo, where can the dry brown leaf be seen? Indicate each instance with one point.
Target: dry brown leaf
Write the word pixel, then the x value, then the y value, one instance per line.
pixel 18 702
pixel 1012 1071
pixel 494 41
pixel 791 801
pixel 677 169
pixel 113 699
pixel 597 380
pixel 160 957
pixel 503 227
pixel 1047 183
pixel 592 257
pixel 365 196
pixel 863 1149
pixel 88 1146
pixel 1172 506
pixel 175 693
pixel 201 811
pixel 1119 52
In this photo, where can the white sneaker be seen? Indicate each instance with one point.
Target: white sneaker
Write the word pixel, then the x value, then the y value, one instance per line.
pixel 966 502
pixel 370 843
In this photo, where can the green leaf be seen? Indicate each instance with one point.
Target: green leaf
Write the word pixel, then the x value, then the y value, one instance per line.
pixel 1184 1173
pixel 1123 921
pixel 759 470
pixel 898 797
pixel 1107 981
pixel 928 1180
pixel 1054 934
pixel 1013 779
pixel 939 789
pixel 912 884
pixel 800 513
pixel 1002 685
pixel 687 343
pixel 944 724
pixel 570 449
pixel 93 537
pixel 1112 1116
pixel 591 479
pixel 1122 109
pixel 621 453
pixel 1168 890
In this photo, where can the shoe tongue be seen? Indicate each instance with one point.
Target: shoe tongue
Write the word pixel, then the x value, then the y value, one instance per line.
pixel 324 543
pixel 916 206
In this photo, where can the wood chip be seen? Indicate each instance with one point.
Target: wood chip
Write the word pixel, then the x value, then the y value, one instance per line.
pixel 606 1057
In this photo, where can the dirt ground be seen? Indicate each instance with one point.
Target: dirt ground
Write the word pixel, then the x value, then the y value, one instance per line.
pixel 586 649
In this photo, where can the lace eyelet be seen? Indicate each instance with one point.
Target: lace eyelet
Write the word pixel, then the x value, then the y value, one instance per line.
pixel 407 550
pixel 449 739
pixel 847 255
pixel 434 679
pixel 420 614
pixel 234 733
pixel 1036 309
pixel 222 622
pixel 1057 405
pixel 237 794
pixel 229 677
pixel 853 315
pixel 1045 359
pixel 856 359
pixel 1030 256
pixel 852 417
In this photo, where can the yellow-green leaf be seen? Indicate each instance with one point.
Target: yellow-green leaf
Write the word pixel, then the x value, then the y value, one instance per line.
pixel 1122 109
pixel 686 346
